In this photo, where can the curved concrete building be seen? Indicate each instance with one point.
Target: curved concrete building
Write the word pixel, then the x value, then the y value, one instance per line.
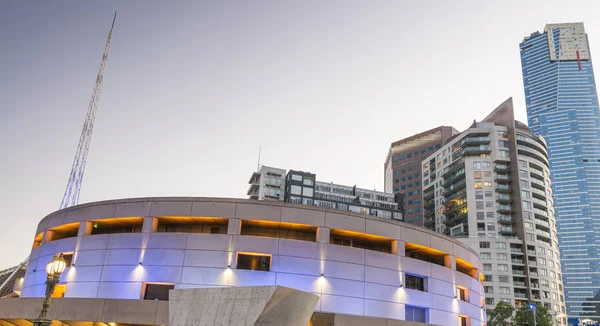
pixel 360 266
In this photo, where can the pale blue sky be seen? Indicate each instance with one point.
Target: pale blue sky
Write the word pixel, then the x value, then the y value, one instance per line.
pixel 193 88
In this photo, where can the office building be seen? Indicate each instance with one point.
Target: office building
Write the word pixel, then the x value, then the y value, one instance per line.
pixel 490 188
pixel 301 187
pixel 562 106
pixel 123 256
pixel 402 168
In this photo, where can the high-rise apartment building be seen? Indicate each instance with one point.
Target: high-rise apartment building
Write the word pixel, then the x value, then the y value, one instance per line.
pixel 562 106
pixel 489 186
pixel 402 168
pixel 267 183
pixel 301 187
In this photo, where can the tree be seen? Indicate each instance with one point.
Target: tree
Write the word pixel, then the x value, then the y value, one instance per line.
pixel 501 314
pixel 524 316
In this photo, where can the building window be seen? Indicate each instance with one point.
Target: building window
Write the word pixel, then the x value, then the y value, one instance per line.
pixel 308 182
pixel 487 267
pixel 478 185
pixel 491 226
pixel 489 301
pixel 414 282
pixel 296 177
pixel 503 278
pixel 486 256
pixel 487 174
pixel 488 278
pixel 477 174
pixel 489 203
pixel 479 205
pixel 503 267
pixel 254 262
pixel 308 192
pixel 480 216
pixel 500 245
pixel 296 190
pixel 415 314
pixel 155 291
pixel 488 289
pixel 487 184
pixel 463 321
pixel 504 290
pixel 484 244
pixel 502 256
pixel 478 194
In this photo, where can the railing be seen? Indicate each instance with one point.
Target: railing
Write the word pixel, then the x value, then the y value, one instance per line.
pixel 541 222
pixel 539 192
pixel 543 233
pixel 531 263
pixel 520 295
pixel 474 140
pixel 533 274
pixel 531 252
pixel 502 177
pixel 522 284
pixel 519 250
pixel 505 218
pixel 503 198
pixel 502 188
pixel 477 149
pixel 517 261
pixel 501 167
pixel 518 272
pixel 534 151
pixel 504 208
pixel 540 212
pixel 538 182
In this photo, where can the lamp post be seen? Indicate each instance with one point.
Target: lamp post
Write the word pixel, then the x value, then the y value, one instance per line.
pixel 53 269
pixel 532 307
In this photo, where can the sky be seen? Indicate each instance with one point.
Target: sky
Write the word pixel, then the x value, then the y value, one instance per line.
pixel 193 88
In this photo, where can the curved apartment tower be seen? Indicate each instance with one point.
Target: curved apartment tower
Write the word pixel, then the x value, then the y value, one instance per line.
pixel 490 187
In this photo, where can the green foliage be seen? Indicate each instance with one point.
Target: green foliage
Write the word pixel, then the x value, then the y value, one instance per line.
pixel 524 316
pixel 500 315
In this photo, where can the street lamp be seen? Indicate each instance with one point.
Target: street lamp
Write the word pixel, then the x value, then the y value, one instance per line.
pixel 532 307
pixel 53 269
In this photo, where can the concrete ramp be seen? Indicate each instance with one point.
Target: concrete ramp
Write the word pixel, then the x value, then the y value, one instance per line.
pixel 243 306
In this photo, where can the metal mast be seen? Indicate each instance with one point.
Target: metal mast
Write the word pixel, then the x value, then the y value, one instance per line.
pixel 71 196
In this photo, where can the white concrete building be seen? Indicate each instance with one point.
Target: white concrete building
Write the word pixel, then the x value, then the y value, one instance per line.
pixel 490 187
pixel 267 183
pixel 135 250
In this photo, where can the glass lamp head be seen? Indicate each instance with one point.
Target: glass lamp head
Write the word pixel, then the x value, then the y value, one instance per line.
pixel 56 266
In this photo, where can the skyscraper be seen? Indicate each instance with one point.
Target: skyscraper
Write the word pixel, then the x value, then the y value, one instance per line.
pixel 402 168
pixel 562 106
pixel 489 186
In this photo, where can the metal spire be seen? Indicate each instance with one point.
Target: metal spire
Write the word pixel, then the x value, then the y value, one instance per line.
pixel 71 196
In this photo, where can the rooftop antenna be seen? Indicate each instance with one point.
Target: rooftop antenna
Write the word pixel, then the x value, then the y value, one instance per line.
pixel 258 164
pixel 71 196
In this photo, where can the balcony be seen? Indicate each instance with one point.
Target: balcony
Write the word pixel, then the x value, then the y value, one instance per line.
pixel 543 233
pixel 454 206
pixel 454 218
pixel 520 295
pixel 455 195
pixel 502 178
pixel 504 209
pixel 542 222
pixel 517 261
pixel 533 274
pixel 541 203
pixel 503 188
pixel 505 219
pixel 476 150
pixel 453 178
pixel 518 272
pixel 531 263
pixel 538 193
pixel 429 212
pixel 429 222
pixel 516 250
pixel 453 167
pixel 428 195
pixel 538 184
pixel 474 141
pixel 532 152
pixel 540 212
pixel 536 174
pixel 531 253
pixel 455 186
pixel 507 230
pixel 535 286
pixel 504 199
pixel 429 203
pixel 500 167
pixel 519 284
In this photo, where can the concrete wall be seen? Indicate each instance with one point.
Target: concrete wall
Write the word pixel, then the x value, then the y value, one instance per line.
pixel 355 281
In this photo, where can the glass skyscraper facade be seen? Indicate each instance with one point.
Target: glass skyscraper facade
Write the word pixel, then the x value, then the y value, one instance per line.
pixel 562 106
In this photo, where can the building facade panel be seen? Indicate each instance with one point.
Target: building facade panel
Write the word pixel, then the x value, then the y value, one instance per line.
pixel 353 272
